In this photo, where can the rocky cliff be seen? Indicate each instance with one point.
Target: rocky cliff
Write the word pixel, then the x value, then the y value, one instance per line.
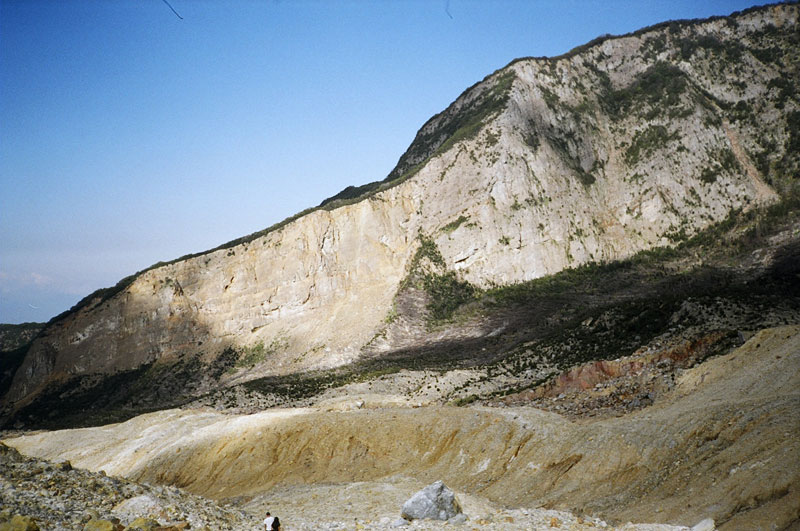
pixel 625 144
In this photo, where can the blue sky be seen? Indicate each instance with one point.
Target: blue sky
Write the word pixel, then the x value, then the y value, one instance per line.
pixel 130 136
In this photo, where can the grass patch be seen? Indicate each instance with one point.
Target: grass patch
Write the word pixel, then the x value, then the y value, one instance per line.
pixel 254 354
pixel 92 400
pixel 470 121
pixel 13 336
pixel 545 286
pixel 453 225
pixel 459 402
pixel 444 290
pixel 300 386
pixel 727 51
pixel 427 249
pixel 451 126
pixel 644 143
pixel 446 294
pixel 586 178
pixel 660 85
pixel 10 362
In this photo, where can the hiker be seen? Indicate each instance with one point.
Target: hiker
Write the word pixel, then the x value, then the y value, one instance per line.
pixel 271 523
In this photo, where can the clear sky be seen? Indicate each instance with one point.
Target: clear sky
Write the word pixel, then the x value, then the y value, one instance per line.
pixel 130 136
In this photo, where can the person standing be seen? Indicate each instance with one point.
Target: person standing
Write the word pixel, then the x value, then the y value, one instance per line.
pixel 269 521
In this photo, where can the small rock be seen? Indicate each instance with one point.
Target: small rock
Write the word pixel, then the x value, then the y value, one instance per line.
pixel 101 525
pixel 143 524
pixel 705 525
pixel 458 519
pixel 400 522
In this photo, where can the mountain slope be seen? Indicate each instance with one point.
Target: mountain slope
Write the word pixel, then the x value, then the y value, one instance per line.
pixel 628 144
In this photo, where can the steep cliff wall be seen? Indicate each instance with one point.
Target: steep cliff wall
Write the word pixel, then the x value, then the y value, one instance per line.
pixel 299 290
pixel 623 145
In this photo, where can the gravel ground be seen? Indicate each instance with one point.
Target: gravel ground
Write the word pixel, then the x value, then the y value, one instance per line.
pixel 377 505
pixel 59 497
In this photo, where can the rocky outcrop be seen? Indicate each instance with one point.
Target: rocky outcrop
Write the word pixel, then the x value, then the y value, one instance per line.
pixel 299 291
pixel 626 144
pixel 651 371
pixel 55 496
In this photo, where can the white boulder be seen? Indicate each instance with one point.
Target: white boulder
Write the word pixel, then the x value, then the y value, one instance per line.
pixel 435 502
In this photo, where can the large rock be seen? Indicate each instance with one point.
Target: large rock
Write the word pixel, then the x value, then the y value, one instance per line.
pixel 435 502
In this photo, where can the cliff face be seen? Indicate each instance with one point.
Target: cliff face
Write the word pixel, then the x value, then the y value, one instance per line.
pixel 627 144
pixel 301 291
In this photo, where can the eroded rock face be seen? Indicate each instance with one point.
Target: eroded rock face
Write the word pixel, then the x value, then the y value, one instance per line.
pixel 302 289
pixel 630 144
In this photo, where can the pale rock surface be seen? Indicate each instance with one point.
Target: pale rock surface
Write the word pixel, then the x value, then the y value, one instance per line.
pixel 139 506
pixel 706 525
pixel 435 502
